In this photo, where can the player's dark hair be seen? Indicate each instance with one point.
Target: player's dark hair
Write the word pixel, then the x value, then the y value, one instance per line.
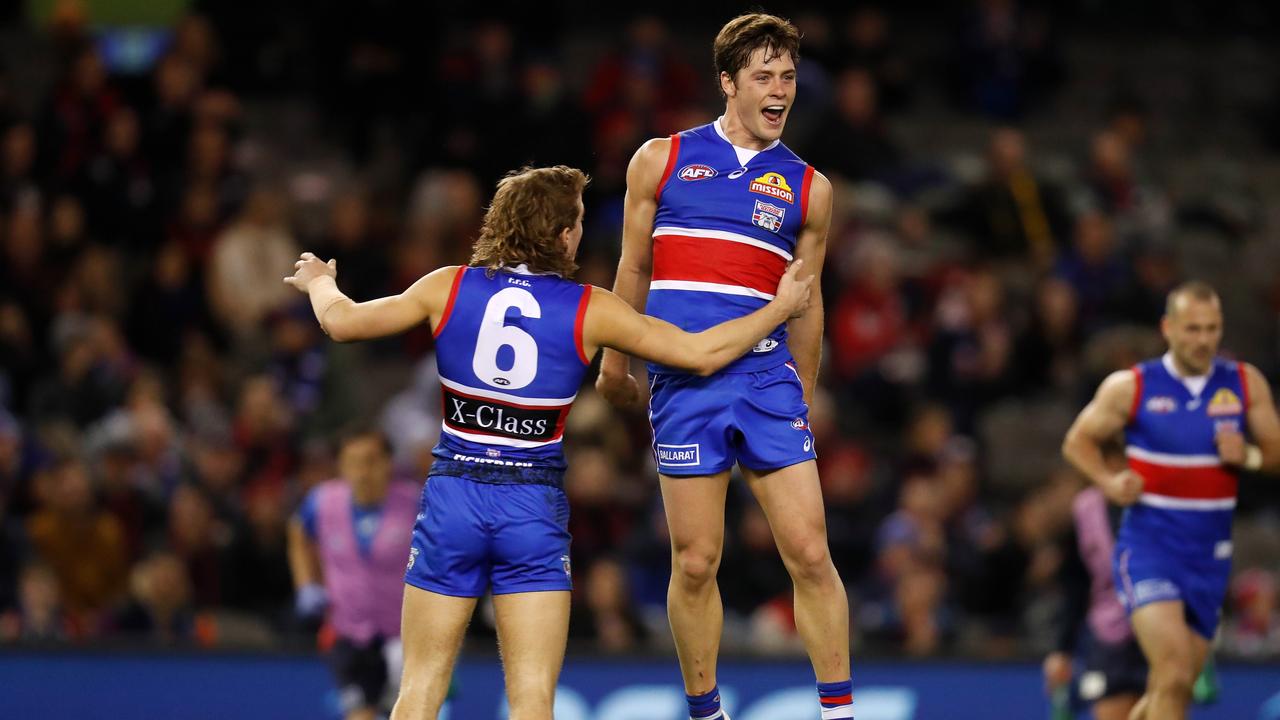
pixel 745 34
pixel 362 431
pixel 523 224
pixel 1194 289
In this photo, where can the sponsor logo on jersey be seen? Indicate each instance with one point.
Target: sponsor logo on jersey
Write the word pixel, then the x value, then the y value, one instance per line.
pixel 799 424
pixel 679 455
pixel 568 568
pixel 775 186
pixel 413 555
pixel 1161 405
pixel 493 453
pixel 1225 402
pixel 490 461
pixel 691 173
pixel 765 345
pixel 490 417
pixel 768 216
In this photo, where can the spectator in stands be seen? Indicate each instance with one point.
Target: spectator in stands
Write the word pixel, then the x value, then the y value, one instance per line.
pixel 159 609
pixel 1011 216
pixel 242 283
pixel 83 545
pixel 38 616
pixel 1094 269
pixel 1253 629
pixel 604 613
pixel 865 150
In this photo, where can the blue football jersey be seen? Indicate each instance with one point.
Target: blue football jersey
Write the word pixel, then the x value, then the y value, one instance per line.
pixel 1188 495
pixel 723 234
pixel 509 349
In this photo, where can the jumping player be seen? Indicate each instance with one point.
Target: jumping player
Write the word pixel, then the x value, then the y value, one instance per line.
pixel 712 217
pixel 514 337
pixel 1191 421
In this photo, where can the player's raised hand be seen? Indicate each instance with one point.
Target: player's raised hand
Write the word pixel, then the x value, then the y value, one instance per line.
pixel 308 268
pixel 621 391
pixel 1123 488
pixel 1231 447
pixel 793 291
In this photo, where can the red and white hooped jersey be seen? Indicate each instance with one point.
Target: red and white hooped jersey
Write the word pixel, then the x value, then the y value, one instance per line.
pixel 725 229
pixel 1189 495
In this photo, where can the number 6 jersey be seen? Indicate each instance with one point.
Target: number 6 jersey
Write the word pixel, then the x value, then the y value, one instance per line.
pixel 509 348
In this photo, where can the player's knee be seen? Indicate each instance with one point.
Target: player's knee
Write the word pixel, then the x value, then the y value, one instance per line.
pixel 695 566
pixel 1175 681
pixel 810 562
pixel 530 700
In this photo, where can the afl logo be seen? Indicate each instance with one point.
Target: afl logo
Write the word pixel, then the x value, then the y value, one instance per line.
pixel 501 381
pixel 689 173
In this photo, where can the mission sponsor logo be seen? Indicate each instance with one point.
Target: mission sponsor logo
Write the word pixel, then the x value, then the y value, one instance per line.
pixel 1225 402
pixel 768 216
pixel 489 417
pixel 679 455
pixel 691 173
pixel 775 186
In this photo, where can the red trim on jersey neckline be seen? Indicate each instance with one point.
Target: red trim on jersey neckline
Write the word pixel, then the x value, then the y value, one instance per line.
pixel 804 193
pixel 1244 385
pixel 577 325
pixel 1137 394
pixel 672 155
pixel 448 307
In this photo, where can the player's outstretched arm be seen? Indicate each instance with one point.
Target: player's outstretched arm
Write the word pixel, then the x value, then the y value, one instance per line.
pixel 345 320
pixel 1264 429
pixel 1100 421
pixel 612 323
pixel 804 333
pixel 635 266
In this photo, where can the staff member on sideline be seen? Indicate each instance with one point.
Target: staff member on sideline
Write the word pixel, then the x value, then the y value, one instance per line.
pixel 347 546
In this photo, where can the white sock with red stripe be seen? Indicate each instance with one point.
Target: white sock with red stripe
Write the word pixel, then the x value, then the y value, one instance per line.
pixel 836 699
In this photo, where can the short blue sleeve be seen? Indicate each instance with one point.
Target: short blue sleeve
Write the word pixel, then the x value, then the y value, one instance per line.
pixel 308 513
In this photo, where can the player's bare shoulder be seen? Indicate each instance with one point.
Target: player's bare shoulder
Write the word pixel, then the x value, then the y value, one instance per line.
pixel 820 200
pixel 648 165
pixel 1117 390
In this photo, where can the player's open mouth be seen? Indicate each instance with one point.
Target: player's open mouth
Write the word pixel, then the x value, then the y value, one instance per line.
pixel 774 113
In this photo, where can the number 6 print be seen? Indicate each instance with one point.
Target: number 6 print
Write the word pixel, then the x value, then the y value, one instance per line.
pixel 495 334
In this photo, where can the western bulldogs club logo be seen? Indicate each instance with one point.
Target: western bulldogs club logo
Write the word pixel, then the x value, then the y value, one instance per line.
pixel 691 173
pixel 768 216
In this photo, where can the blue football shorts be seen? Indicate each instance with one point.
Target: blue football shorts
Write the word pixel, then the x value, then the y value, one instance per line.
pixel 703 425
pixel 1145 575
pixel 478 530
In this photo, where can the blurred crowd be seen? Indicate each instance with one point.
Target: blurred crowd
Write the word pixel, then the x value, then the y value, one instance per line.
pixel 1007 225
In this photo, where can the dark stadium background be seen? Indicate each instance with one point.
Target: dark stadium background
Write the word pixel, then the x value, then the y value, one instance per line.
pixel 1017 186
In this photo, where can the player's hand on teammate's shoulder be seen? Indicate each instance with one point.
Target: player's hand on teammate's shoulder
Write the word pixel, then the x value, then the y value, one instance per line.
pixel 621 391
pixel 1231 448
pixel 308 268
pixel 793 291
pixel 1123 488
